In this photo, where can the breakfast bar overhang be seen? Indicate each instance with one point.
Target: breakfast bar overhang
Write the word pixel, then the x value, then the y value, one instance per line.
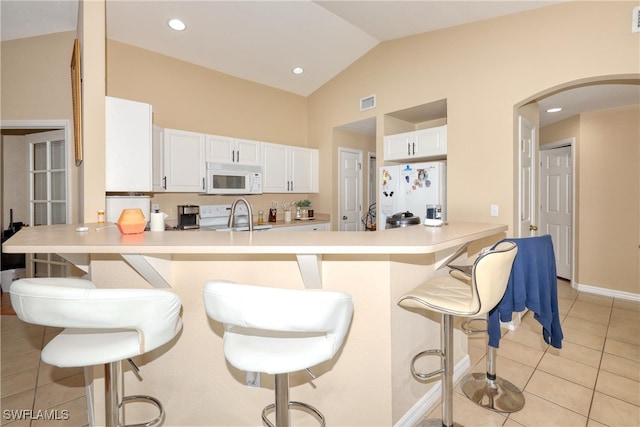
pixel 370 383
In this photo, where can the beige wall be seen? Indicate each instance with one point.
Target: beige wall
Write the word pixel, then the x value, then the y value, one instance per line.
pixel 607 201
pixel 189 97
pixel 484 70
pixel 609 184
pixel 91 30
pixel 36 87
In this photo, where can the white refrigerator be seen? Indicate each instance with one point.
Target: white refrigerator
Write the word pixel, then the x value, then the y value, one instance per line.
pixel 412 187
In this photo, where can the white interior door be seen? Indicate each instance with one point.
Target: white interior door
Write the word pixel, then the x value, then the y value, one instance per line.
pixel 556 198
pixel 48 195
pixel 527 181
pixel 350 209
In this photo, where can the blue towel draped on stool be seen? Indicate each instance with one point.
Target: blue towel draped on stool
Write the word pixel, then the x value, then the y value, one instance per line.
pixel 533 285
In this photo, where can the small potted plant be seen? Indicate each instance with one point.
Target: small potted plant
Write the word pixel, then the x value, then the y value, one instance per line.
pixel 302 209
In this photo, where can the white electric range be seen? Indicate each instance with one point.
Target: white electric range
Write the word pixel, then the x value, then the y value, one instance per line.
pixel 215 217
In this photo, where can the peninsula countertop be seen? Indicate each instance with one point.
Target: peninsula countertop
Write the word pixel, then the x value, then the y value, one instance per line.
pixel 375 268
pixel 417 239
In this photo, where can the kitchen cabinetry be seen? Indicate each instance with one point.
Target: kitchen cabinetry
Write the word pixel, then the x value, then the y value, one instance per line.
pixel 178 159
pixel 289 169
pixel 128 150
pixel 420 144
pixel 306 227
pixel 225 149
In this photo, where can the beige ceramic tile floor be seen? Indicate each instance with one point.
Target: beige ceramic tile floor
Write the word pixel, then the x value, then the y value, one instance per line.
pixel 33 393
pixel 594 380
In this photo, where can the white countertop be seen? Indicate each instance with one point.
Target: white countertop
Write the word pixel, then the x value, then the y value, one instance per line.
pixel 417 239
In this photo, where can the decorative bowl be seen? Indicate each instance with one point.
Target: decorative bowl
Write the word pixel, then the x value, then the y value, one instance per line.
pixel 131 221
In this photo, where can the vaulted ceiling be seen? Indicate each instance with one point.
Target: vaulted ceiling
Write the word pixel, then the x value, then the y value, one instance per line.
pixel 262 41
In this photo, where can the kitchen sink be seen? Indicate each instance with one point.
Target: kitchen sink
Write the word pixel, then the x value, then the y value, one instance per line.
pixel 242 228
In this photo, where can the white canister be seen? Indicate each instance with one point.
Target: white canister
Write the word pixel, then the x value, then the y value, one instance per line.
pixel 157 221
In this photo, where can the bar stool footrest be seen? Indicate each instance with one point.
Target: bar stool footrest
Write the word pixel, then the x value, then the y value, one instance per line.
pixel 147 399
pixel 435 422
pixel 469 330
pixel 497 395
pixel 293 405
pixel 427 375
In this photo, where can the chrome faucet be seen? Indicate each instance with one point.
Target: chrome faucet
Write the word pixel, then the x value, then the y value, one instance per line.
pixel 231 222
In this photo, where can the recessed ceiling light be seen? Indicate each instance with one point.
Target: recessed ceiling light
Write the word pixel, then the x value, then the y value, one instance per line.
pixel 554 110
pixel 177 25
pixel 297 70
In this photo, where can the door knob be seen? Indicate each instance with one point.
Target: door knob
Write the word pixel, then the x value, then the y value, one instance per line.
pixel 533 228
pixel 344 217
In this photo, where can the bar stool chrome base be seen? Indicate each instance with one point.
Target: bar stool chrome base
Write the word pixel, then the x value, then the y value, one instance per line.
pixel 489 390
pixel 497 395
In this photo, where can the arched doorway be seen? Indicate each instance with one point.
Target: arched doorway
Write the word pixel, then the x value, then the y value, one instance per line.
pixel 600 116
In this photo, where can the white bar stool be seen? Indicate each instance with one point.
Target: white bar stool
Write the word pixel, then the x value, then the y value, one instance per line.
pixel 278 331
pixel 102 326
pixel 452 297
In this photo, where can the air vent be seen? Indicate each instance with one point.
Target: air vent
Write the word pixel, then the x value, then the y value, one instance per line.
pixel 635 22
pixel 368 103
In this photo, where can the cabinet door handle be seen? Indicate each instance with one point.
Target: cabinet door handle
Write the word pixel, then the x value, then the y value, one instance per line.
pixel 164 182
pixel 238 156
pixel 233 156
pixel 203 187
pixel 414 148
pixel 408 149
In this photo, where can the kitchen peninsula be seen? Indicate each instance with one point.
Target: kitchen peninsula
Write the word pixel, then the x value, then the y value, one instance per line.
pixel 368 383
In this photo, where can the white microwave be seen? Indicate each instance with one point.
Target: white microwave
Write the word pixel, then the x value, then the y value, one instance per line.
pixel 225 178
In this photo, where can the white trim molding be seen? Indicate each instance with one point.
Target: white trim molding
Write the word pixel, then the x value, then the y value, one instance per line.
pixel 605 292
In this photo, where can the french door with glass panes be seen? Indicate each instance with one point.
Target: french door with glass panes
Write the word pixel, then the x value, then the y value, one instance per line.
pixel 48 194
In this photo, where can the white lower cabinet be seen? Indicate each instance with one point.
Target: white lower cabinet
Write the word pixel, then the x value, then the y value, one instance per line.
pixel 306 227
pixel 289 169
pixel 178 159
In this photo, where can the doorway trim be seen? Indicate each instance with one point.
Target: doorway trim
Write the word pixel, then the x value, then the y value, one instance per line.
pixel 527 212
pixel 567 142
pixel 43 125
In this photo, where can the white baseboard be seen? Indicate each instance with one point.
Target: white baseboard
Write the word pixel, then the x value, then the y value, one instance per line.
pixel 606 292
pixel 417 411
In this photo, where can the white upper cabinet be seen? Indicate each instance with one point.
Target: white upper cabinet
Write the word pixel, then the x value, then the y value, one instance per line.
pixel 225 149
pixel 128 158
pixel 289 169
pixel 158 175
pixel 415 145
pixel 179 161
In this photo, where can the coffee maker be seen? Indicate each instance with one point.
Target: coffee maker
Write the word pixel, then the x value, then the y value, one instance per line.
pixel 188 217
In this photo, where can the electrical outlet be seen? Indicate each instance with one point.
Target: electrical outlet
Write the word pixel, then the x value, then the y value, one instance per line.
pixel 494 210
pixel 253 379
